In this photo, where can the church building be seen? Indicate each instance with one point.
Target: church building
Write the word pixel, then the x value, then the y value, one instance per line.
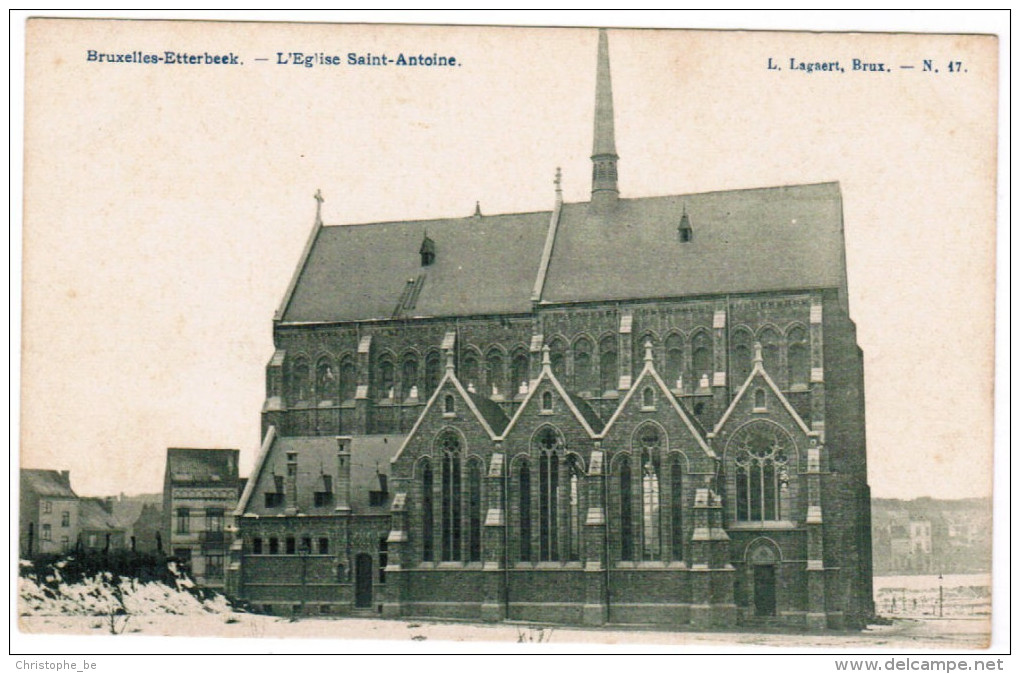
pixel 565 435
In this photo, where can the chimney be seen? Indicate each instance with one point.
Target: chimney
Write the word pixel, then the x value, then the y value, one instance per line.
pixel 343 473
pixel 290 486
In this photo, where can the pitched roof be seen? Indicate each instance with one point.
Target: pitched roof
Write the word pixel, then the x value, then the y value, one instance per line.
pixel 743 241
pixel 93 514
pixel 202 465
pixel 47 482
pixel 316 455
pixel 751 240
pixel 361 272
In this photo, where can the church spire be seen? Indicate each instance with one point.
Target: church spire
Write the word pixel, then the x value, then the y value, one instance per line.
pixel 604 191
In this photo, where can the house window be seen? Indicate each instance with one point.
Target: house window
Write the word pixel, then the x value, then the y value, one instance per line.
pixel 547 401
pixel 256 546
pixel 274 546
pixel 306 545
pixel 214 566
pixel 291 545
pixel 183 520
pixel 549 444
pixel 47 507
pixel 762 472
pixel 65 519
pixel 383 559
pixel 427 543
pixel 65 543
pixel 324 498
pixel 47 533
pixel 524 508
pixel 474 511
pixel 451 498
pixel 214 519
pixel 323 546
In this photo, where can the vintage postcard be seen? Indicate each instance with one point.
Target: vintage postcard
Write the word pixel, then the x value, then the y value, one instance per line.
pixel 422 334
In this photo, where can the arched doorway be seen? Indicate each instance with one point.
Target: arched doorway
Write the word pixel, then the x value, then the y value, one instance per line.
pixel 363 580
pixel 762 563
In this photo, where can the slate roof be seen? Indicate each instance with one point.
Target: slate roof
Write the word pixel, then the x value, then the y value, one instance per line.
pixel 743 241
pixel 202 465
pixel 360 272
pixel 52 483
pixel 92 514
pixel 491 412
pixel 370 456
pixel 752 240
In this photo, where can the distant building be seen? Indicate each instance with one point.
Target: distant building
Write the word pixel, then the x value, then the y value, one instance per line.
pixel 141 517
pixel 928 535
pixel 200 491
pixel 48 513
pixel 100 529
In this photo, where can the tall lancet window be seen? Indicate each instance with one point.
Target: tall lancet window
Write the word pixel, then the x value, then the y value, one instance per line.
pixel 427 542
pixel 677 488
pixel 524 508
pixel 701 357
pixel 651 512
pixel 449 446
pixel 474 510
pixel 626 511
pixel 299 381
pixel 761 465
pixel 348 378
pixel 674 361
pixel 549 445
pixel 798 358
pixel 431 373
pixel 607 364
pixel 574 509
pixel 584 381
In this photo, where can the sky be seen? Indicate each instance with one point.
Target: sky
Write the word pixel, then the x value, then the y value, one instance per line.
pixel 165 207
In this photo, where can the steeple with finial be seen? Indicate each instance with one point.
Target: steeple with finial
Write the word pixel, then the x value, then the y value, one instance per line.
pixel 604 191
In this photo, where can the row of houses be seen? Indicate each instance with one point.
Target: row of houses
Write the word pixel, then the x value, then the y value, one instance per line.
pixel 190 520
pixel 928 535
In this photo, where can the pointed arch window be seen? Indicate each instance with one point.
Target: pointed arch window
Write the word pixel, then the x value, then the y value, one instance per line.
pixel 607 364
pixel 769 339
pixel 759 399
pixel 518 372
pixel 650 441
pixel 299 381
pixel 574 474
pixel 427 541
pixel 449 445
pixel 431 373
pixel 674 361
pixel 648 398
pixel 524 508
pixel 550 446
pixel 474 482
pixel 677 494
pixel 385 378
pixel 761 464
pixel 584 372
pixel 325 380
pixel 348 379
pixel 558 359
pixel 448 405
pixel 547 401
pixel 626 512
pixel 742 353
pixel 494 373
pixel 798 358
pixel 408 374
pixel 470 370
pixel 701 356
